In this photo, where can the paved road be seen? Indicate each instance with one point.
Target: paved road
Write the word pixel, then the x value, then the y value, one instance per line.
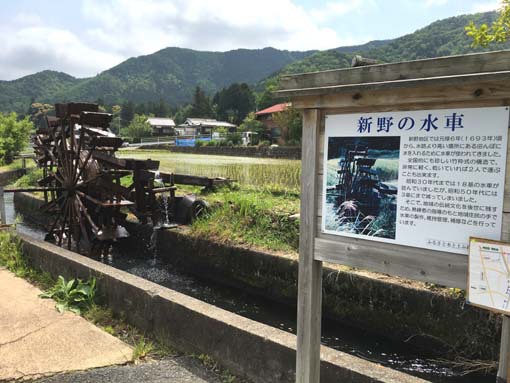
pixel 36 340
pixel 168 370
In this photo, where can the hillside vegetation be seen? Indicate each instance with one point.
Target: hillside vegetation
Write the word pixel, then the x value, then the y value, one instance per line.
pixel 172 74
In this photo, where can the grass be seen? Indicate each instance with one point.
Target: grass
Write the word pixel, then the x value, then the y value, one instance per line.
pixel 11 257
pixel 16 164
pixel 251 217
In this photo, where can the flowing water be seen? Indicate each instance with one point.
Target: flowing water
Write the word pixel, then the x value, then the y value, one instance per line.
pixel 357 342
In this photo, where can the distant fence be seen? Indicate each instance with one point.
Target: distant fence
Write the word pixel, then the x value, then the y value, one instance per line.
pixel 188 140
pixel 191 141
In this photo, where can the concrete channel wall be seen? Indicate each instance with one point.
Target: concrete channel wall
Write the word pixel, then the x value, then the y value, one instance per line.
pixel 10 175
pixel 261 353
pixel 439 322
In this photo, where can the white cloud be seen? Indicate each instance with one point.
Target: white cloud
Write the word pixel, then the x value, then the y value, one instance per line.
pixel 134 27
pixel 486 6
pixel 114 30
pixel 35 48
pixel 435 3
pixel 335 9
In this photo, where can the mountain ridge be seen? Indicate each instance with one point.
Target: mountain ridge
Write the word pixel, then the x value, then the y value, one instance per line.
pixel 172 73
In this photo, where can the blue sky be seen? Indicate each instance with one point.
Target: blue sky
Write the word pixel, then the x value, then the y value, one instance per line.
pixel 85 37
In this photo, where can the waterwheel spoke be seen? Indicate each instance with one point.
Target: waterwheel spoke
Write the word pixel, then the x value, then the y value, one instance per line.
pixel 84 165
pixel 64 222
pixel 86 213
pixel 78 157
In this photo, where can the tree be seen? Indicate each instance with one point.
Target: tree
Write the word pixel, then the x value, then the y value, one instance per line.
pixel 162 110
pixel 38 111
pixel 201 106
pixel 139 127
pixel 265 99
pixel 183 113
pixel 291 124
pixel 116 111
pixel 234 103
pixel 498 32
pixel 127 113
pixel 14 136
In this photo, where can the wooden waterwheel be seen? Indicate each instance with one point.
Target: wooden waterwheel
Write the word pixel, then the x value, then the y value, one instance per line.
pixel 82 177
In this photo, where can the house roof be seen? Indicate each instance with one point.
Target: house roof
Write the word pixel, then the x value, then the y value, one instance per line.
pixel 208 122
pixel 273 109
pixel 160 121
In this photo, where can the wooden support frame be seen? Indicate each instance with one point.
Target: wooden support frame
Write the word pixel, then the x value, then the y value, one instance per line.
pixel 468 81
pixel 310 269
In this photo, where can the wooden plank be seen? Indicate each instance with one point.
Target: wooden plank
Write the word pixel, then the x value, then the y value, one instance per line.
pixel 504 352
pixel 442 66
pixel 3 216
pixel 310 270
pixel 446 269
pixel 405 98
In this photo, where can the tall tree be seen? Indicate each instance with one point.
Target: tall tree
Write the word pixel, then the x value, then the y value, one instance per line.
pixel 127 113
pixel 116 109
pixel 235 102
pixel 498 32
pixel 201 106
pixel 163 110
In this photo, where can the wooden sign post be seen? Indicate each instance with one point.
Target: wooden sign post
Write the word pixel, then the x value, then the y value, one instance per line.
pixel 401 164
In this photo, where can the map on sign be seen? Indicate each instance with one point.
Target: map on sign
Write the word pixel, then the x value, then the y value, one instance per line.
pixel 489 275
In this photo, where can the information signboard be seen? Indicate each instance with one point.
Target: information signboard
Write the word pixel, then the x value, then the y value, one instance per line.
pixel 489 275
pixel 427 178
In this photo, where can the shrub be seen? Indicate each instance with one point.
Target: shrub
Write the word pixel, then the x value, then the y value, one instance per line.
pixel 14 136
pixel 234 139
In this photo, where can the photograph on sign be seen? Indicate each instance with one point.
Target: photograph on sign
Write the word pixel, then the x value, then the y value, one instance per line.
pixel 489 275
pixel 428 178
pixel 363 187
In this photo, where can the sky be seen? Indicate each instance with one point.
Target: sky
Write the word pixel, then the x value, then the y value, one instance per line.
pixel 84 37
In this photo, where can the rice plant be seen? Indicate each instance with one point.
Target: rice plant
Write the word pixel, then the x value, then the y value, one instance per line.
pixel 246 171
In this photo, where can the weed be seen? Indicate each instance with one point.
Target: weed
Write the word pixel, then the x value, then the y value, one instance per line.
pixel 109 329
pixel 74 295
pixel 142 348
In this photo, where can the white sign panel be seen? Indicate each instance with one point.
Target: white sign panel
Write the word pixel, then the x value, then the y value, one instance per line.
pixel 489 275
pixel 428 178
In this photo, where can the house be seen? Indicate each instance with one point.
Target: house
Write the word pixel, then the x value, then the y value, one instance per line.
pixel 198 126
pixel 273 131
pixel 162 126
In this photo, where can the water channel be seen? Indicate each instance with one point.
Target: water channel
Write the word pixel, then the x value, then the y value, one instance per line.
pixel 354 341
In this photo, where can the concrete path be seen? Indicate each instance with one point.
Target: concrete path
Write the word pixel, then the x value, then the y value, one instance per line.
pixel 36 340
pixel 169 370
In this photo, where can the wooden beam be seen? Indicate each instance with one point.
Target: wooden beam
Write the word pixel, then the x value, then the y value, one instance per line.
pixel 442 268
pixel 442 66
pixel 310 270
pixel 357 98
pixel 474 78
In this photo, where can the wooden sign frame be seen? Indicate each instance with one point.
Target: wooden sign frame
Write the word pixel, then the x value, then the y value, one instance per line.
pixel 467 81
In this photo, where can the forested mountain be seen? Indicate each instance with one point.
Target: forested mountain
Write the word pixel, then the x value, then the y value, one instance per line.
pixel 442 38
pixel 172 74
